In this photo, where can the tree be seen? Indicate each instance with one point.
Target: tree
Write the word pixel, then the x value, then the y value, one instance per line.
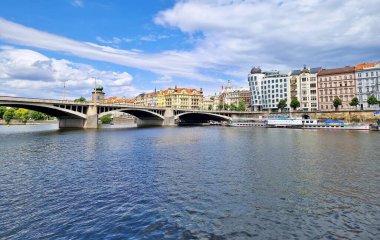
pixel 241 105
pixel 106 119
pixel 8 115
pixel 210 107
pixel 295 103
pixel 354 102
pixel 38 115
pixel 233 107
pixel 22 114
pixel 336 102
pixel 223 107
pixel 81 99
pixel 372 100
pixel 2 111
pixel 282 104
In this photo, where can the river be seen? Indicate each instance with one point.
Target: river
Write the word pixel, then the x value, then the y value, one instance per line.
pixel 188 183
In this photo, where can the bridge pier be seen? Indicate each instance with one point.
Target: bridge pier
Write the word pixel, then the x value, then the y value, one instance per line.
pixel 92 117
pixel 169 118
pixel 71 123
pixel 148 122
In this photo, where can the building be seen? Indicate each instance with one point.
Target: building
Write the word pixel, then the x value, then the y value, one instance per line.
pixel 119 100
pixel 180 98
pixel 233 96
pixel 267 89
pixel 367 82
pixel 140 99
pixel 172 98
pixel 337 82
pixel 97 93
pixel 303 86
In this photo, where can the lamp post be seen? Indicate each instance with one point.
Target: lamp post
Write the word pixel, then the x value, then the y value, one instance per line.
pixel 64 89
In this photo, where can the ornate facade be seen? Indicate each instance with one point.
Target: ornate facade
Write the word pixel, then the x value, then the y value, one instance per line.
pixel 367 82
pixel 337 82
pixel 303 86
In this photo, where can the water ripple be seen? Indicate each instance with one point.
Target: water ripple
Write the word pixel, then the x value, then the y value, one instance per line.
pixel 188 183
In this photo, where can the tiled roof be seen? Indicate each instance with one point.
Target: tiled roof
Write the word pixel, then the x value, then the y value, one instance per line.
pixel 365 65
pixel 335 71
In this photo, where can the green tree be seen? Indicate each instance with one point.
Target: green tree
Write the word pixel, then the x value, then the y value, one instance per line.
pixel 241 105
pixel 354 102
pixel 337 102
pixel 372 100
pixel 81 99
pixel 2 111
pixel 233 107
pixel 22 114
pixel 210 107
pixel 38 115
pixel 295 103
pixel 282 104
pixel 9 115
pixel 223 107
pixel 106 119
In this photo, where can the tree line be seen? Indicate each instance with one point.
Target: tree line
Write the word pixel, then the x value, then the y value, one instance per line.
pixel 231 107
pixel 295 103
pixel 21 114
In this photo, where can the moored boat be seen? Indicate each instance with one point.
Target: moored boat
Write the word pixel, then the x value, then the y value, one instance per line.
pixel 247 122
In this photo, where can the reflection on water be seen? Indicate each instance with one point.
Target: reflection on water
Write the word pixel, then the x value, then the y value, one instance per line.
pixel 188 183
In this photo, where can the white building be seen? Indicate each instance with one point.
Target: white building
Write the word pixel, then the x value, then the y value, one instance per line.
pixel 367 82
pixel 267 89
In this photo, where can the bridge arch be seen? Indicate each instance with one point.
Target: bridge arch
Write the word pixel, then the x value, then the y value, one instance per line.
pixel 139 113
pixel 201 117
pixel 58 112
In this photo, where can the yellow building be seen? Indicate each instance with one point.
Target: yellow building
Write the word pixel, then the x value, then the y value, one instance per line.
pixel 172 98
pixel 180 98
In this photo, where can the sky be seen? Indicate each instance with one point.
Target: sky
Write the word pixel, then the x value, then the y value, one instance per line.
pixel 137 46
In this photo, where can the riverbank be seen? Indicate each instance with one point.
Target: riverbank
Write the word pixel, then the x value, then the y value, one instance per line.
pixel 31 122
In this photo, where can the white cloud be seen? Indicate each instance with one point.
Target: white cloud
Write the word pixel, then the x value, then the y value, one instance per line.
pixel 230 36
pixel 77 3
pixel 163 80
pixel 277 32
pixel 165 63
pixel 23 72
pixel 153 38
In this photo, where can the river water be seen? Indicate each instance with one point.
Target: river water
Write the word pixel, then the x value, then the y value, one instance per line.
pixel 188 183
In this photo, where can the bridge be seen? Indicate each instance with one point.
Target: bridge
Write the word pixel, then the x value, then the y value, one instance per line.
pixel 85 114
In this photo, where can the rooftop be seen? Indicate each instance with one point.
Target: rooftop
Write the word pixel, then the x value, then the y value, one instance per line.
pixel 335 71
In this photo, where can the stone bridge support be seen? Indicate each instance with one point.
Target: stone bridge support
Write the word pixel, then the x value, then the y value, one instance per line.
pixel 92 117
pixel 169 118
pixel 91 120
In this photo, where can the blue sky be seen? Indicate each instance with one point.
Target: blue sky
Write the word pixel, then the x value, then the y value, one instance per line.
pixel 138 45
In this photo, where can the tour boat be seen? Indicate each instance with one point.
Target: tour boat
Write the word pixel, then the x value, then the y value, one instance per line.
pixel 247 122
pixel 302 123
pixel 333 124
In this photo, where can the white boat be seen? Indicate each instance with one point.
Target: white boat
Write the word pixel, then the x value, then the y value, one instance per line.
pixel 247 122
pixel 335 124
pixel 313 124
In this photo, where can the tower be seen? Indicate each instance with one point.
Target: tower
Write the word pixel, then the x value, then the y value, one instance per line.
pixel 97 93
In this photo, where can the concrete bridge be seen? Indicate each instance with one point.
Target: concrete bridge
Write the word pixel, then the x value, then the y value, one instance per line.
pixel 85 114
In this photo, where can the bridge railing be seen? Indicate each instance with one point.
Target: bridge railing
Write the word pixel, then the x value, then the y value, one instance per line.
pixel 38 100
